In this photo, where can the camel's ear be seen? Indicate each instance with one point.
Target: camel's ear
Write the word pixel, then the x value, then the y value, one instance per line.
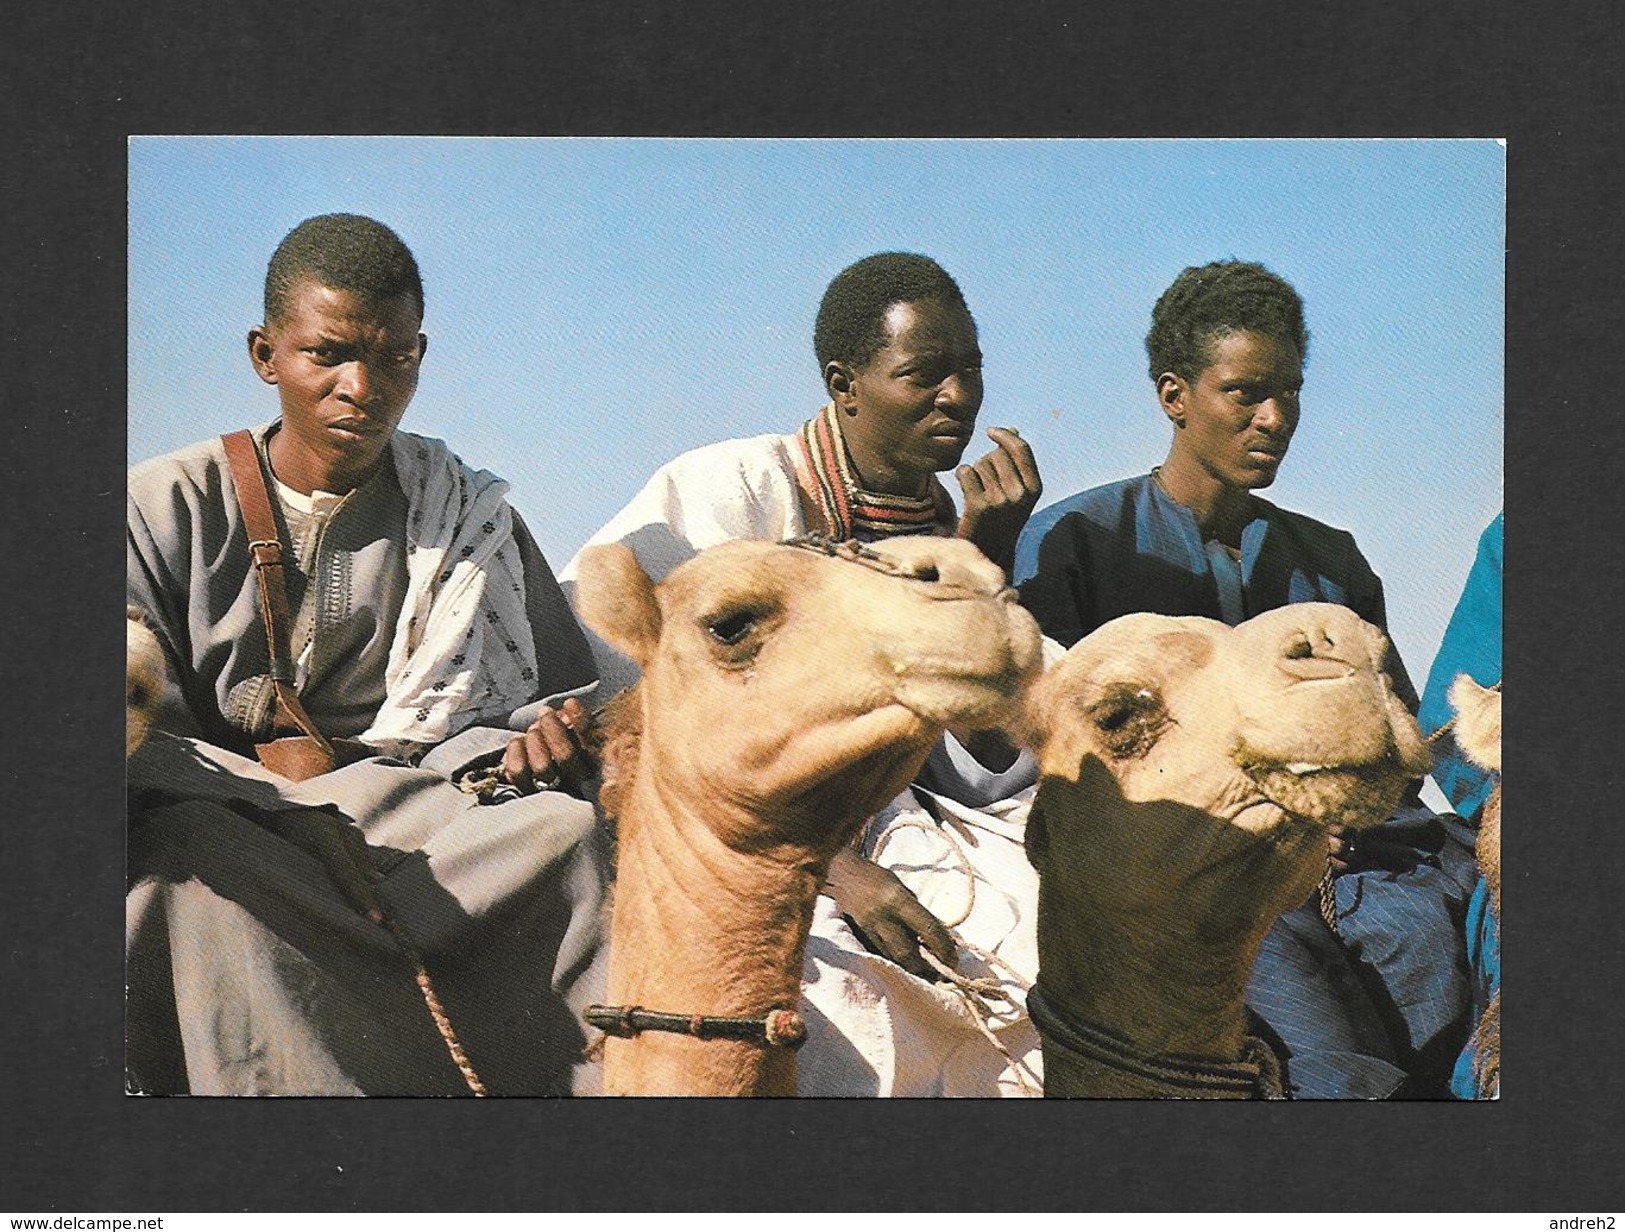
pixel 616 599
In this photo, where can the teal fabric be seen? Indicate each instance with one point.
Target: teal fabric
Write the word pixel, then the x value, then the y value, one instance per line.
pixel 1471 644
pixel 1484 958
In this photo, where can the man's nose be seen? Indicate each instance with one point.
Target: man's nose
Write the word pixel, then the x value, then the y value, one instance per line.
pixel 1272 415
pixel 958 391
pixel 356 383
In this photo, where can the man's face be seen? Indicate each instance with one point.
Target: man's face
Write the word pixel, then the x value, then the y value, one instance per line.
pixel 916 399
pixel 1239 414
pixel 345 369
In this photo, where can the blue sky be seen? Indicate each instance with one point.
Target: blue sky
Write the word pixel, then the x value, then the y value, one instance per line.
pixel 596 306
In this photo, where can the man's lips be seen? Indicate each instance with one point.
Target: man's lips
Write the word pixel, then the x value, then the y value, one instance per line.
pixel 351 426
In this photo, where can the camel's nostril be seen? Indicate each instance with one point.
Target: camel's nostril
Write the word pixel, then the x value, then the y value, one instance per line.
pixel 928 573
pixel 1312 655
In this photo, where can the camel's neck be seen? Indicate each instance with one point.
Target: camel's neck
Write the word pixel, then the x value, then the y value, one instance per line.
pixel 1151 915
pixel 1163 988
pixel 700 928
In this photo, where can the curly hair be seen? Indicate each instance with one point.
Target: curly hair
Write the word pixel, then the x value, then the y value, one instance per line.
pixel 1210 301
pixel 851 323
pixel 348 252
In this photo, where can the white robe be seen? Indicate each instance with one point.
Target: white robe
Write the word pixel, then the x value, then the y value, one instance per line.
pixel 874 1029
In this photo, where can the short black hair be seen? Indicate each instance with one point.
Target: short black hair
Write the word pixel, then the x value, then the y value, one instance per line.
pixel 1211 301
pixel 348 252
pixel 851 323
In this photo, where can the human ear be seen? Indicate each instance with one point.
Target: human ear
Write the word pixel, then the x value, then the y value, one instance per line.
pixel 839 380
pixel 616 599
pixel 423 346
pixel 262 354
pixel 1171 397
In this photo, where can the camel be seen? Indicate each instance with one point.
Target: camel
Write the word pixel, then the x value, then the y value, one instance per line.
pixel 1188 774
pixel 786 695
pixel 1478 735
pixel 143 679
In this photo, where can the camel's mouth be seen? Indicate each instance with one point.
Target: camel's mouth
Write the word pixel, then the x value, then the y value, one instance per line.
pixel 977 676
pixel 1332 795
pixel 962 697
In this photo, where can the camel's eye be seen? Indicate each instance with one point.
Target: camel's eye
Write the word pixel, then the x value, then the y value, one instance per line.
pixel 732 629
pixel 1121 706
pixel 1129 720
pixel 136 695
pixel 737 626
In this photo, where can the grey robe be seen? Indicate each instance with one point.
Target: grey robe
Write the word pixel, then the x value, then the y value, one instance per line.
pixel 248 972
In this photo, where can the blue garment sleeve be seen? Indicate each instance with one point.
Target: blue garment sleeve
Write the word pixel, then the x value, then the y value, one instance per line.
pixel 1027 544
pixel 1472 644
pixel 1052 572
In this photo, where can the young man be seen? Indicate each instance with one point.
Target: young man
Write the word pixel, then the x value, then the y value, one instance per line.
pixel 901 363
pixel 1227 348
pixel 423 624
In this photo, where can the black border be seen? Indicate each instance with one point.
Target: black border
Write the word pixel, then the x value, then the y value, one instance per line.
pixel 78 81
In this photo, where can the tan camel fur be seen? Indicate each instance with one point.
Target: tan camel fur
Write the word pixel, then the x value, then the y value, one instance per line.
pixel 786 695
pixel 1189 772
pixel 143 679
pixel 1478 735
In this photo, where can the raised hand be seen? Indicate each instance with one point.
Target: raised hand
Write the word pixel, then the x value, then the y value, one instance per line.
pixel 1001 489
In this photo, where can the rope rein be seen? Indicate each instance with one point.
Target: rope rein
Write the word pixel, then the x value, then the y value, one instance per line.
pixel 442 1022
pixel 978 994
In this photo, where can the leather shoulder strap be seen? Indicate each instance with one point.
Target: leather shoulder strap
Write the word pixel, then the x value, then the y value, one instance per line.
pixel 266 548
pixel 252 497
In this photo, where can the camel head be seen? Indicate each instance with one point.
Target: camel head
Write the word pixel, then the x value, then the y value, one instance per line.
pixel 143 679
pixel 1478 735
pixel 1189 772
pixel 801 686
pixel 1478 722
pixel 786 695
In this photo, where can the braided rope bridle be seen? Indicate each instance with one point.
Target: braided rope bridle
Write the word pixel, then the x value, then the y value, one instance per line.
pixel 848 550
pixel 778 1028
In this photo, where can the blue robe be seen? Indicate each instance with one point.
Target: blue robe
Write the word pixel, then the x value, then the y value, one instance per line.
pixel 1472 644
pixel 1387 998
pixel 1129 547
